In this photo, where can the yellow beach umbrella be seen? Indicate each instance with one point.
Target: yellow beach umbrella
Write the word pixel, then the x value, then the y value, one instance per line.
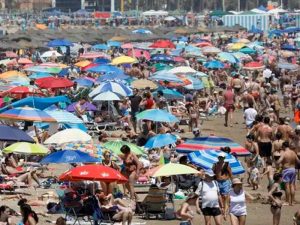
pixel 172 169
pixel 244 40
pixel 26 148
pixel 12 73
pixel 83 63
pixel 143 83
pixel 237 46
pixel 123 60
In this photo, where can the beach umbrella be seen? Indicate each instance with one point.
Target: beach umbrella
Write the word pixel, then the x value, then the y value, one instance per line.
pixel 84 82
pixel 100 47
pixel 169 94
pixel 241 56
pixel 161 66
pixel 107 96
pixel 106 69
pixel 138 53
pixel 286 54
pixel 127 46
pixel 116 145
pixel 253 66
pixel 160 140
pixel 143 83
pixel 93 55
pixel 157 115
pixel 27 114
pixel 39 75
pixel 93 173
pixel 68 136
pixel 114 44
pixel 207 158
pixel 9 133
pixel 83 63
pixel 62 116
pixel 68 156
pixel 255 30
pixel 214 65
pixel 112 86
pixel 182 69
pixel 51 64
pixel 42 69
pixel 210 50
pixel 112 77
pixel 164 75
pixel 200 74
pixel 53 82
pixel 48 54
pixel 10 54
pixel 26 148
pixel 92 149
pixel 24 90
pixel 211 142
pixel 123 60
pixel 287 66
pixel 87 106
pixel 196 84
pixel 248 50
pixel 226 56
pixel 162 44
pixel 236 46
pixel 12 73
pixel 161 58
pixel 59 42
pixel 203 44
pixel 24 61
pixel 243 40
pixel 289 47
pixel 172 169
pixel 142 31
pixel 101 61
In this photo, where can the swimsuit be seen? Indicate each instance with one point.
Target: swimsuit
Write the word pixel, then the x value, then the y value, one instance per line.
pixel 289 175
pixel 265 149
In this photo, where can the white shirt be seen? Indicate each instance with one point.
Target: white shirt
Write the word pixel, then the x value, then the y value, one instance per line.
pixel 238 203
pixel 209 193
pixel 267 73
pixel 250 115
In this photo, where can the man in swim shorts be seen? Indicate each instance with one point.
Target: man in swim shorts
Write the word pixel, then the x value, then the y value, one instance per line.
pixel 288 160
pixel 264 137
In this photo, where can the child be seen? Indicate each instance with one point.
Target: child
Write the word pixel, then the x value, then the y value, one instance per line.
pixel 185 212
pixel 275 194
pixel 269 172
pixel 254 176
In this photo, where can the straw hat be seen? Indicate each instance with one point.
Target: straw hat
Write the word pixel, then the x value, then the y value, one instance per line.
pixel 236 181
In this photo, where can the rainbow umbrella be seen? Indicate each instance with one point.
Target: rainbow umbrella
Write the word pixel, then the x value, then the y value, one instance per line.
pixel 211 142
pixel 27 114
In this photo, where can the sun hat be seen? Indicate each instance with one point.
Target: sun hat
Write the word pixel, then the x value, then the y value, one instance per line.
pixel 236 181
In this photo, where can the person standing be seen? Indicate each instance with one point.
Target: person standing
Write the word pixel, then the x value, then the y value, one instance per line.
pixel 229 99
pixel 275 197
pixel 135 101
pixel 211 205
pixel 238 208
pixel 223 176
pixel 288 160
pixel 249 116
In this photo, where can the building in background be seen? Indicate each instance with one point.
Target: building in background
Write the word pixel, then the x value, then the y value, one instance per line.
pixel 69 5
pixel 26 5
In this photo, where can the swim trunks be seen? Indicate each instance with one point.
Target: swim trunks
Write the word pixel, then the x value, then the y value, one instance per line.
pixel 289 175
pixel 265 149
pixel 224 186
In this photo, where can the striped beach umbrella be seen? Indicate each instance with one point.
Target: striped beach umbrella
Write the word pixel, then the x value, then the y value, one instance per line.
pixel 27 114
pixel 62 116
pixel 111 86
pixel 211 142
pixel 207 158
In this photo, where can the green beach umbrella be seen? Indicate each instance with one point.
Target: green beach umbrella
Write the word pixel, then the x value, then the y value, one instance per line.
pixel 26 148
pixel 116 145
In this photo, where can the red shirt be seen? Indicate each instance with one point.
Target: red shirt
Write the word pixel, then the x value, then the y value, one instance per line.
pixel 229 97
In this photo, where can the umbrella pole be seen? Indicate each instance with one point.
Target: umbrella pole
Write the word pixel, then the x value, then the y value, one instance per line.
pixel 37 134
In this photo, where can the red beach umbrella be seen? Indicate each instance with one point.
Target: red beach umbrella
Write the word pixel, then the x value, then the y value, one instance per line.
pixel 93 172
pixel 162 44
pixel 53 82
pixel 254 66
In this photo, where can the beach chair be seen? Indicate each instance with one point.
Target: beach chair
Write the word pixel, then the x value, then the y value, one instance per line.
pixel 73 209
pixel 155 203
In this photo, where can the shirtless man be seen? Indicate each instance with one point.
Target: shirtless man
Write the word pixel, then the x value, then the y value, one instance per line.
pixel 285 128
pixel 288 160
pixel 223 176
pixel 264 138
pixel 295 140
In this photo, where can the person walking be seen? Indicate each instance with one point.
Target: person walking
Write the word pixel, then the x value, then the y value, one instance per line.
pixel 229 100
pixel 211 201
pixel 275 197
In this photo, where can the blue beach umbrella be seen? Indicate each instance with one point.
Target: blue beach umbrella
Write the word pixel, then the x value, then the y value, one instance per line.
pixel 214 65
pixel 157 115
pixel 106 69
pixel 101 61
pixel 164 75
pixel 160 140
pixel 39 75
pixel 59 42
pixel 289 47
pixel 287 66
pixel 195 85
pixel 111 86
pixel 226 56
pixel 169 94
pixel 9 133
pixel 110 77
pixel 68 156
pixel 255 30
pixel 161 58
pixel 207 158
pixel 142 31
pixel 62 116
pixel 100 47
pixel 84 82
pixel 247 50
pixel 114 44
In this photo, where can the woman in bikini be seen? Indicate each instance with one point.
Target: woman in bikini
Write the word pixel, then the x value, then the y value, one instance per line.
pixel 275 194
pixel 109 187
pixel 131 169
